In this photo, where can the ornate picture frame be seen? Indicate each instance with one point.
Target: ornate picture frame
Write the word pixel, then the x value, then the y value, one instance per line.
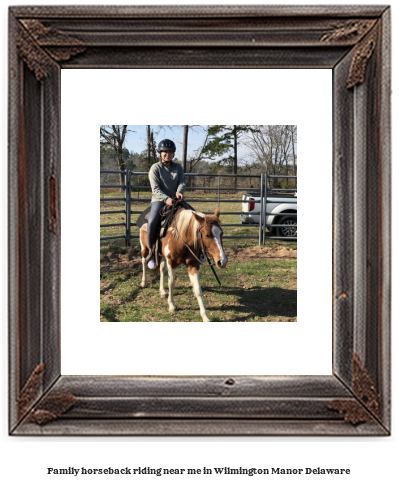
pixel 353 42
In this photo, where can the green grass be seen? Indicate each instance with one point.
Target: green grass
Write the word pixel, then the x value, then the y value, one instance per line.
pixel 261 289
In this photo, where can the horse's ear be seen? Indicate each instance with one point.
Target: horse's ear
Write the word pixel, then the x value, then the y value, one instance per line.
pixel 199 216
pixel 217 212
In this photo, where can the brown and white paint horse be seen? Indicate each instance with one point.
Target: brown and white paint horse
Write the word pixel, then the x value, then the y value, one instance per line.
pixel 182 246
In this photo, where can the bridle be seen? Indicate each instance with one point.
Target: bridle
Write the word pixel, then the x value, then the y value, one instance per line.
pixel 169 211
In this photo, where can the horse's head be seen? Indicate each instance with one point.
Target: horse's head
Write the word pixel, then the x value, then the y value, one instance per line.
pixel 212 236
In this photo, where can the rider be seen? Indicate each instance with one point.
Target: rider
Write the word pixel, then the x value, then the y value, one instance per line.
pixel 167 181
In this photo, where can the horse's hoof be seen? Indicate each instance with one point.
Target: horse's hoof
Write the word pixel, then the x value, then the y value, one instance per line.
pixel 172 309
pixel 206 319
pixel 142 285
pixel 163 295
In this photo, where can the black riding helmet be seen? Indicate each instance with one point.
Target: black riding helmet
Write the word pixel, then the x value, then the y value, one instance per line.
pixel 165 145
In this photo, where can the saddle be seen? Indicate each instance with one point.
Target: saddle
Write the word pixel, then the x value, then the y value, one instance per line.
pixel 167 214
pixel 144 216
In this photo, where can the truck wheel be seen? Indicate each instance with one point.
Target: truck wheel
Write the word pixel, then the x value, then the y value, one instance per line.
pixel 287 227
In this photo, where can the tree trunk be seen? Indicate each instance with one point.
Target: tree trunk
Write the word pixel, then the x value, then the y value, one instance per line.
pixel 154 149
pixel 185 140
pixel 149 146
pixel 113 136
pixel 121 165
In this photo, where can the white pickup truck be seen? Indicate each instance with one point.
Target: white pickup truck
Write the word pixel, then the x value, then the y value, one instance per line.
pixel 277 206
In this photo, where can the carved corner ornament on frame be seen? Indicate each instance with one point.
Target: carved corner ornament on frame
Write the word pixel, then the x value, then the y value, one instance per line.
pixel 353 42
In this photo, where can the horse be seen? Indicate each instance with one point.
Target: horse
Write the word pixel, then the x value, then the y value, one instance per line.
pixel 189 236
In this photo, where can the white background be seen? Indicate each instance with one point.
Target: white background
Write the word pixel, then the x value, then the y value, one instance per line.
pixel 373 461
pixel 264 97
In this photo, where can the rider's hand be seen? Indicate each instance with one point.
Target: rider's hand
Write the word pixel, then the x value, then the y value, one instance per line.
pixel 169 202
pixel 179 196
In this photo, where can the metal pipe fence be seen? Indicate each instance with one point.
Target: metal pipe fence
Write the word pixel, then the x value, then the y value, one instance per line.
pixel 128 187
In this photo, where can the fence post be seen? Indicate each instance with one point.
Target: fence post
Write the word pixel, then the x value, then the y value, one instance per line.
pixel 218 191
pixel 261 211
pixel 128 203
pixel 265 214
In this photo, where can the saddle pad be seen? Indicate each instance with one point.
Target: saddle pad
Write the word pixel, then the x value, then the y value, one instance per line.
pixel 143 217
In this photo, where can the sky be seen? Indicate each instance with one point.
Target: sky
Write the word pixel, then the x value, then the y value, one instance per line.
pixel 136 139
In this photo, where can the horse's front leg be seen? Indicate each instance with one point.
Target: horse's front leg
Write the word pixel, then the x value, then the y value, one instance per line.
pixel 194 279
pixel 162 290
pixel 144 278
pixel 171 274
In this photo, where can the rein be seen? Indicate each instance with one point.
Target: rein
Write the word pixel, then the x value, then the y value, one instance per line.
pixel 167 213
pixel 205 253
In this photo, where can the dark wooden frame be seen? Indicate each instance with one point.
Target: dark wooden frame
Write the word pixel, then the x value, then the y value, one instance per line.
pixel 353 41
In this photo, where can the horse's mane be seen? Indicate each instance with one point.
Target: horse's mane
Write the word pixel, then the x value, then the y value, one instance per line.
pixel 186 225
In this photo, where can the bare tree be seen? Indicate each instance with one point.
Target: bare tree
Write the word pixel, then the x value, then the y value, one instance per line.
pixel 199 154
pixel 275 147
pixel 261 146
pixel 113 136
pixel 293 134
pixel 288 145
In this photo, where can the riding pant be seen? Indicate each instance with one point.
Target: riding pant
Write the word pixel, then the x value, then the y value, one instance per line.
pixel 153 222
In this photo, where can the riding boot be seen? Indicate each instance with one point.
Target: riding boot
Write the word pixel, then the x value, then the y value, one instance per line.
pixel 151 264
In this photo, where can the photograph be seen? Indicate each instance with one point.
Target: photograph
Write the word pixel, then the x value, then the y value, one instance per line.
pixel 180 200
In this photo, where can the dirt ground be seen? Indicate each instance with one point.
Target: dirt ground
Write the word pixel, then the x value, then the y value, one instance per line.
pixel 131 259
pixel 274 251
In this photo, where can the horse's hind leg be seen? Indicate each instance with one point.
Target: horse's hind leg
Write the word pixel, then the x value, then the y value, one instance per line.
pixel 162 290
pixel 144 253
pixel 194 279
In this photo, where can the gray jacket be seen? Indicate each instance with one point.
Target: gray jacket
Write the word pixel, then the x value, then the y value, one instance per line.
pixel 166 181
